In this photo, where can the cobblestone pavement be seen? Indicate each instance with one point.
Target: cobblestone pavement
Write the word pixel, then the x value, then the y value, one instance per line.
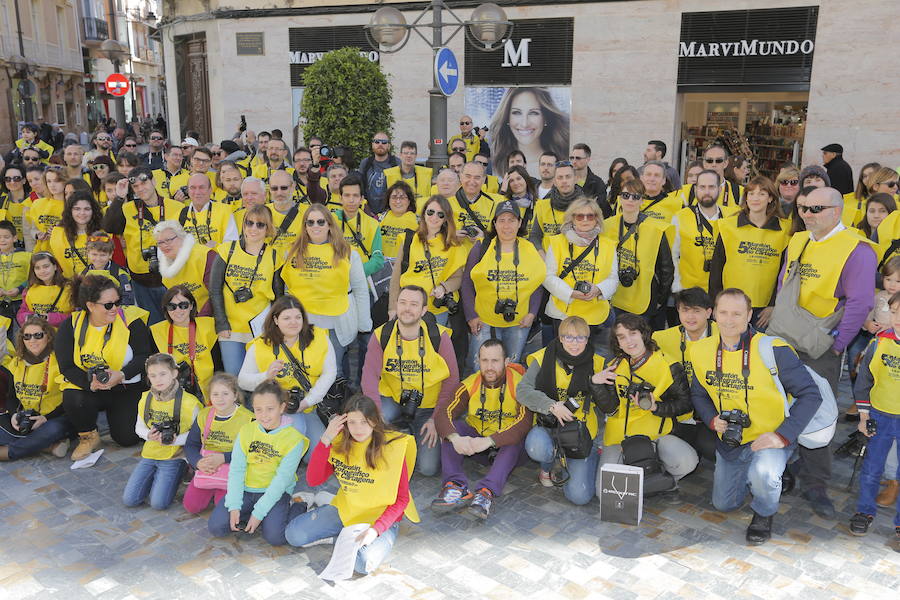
pixel 67 535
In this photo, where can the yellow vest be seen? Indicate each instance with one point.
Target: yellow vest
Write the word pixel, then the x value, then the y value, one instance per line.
pixel 181 179
pixel 365 227
pixel 697 245
pixel 664 209
pixel 753 256
pixel 14 269
pixel 311 359
pixel 159 411
pixel 365 492
pixel 283 240
pixel 264 172
pixel 423 373
pixel 490 414
pixel 40 144
pixel 854 210
pixel 495 280
pixel 162 182
pixel 265 450
pixel 766 404
pixel 72 257
pixel 191 274
pixel 640 254
pixel 37 386
pixel 210 224
pixel 40 298
pixel 239 269
pixel 657 372
pixel 473 145
pixel 562 390
pixel 593 268
pixel 675 344
pixel 138 232
pixel 204 340
pixel 392 228
pixel 420 181
pixel 321 286
pixel 12 211
pixel 45 214
pixel 443 264
pixel 483 208
pixel 885 368
pixel 550 221
pixel 820 268
pixel 888 231
pixel 103 346
pixel 222 433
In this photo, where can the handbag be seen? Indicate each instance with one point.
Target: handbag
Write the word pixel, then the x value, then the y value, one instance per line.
pixel 639 451
pixel 219 479
pixel 574 439
pixel 333 401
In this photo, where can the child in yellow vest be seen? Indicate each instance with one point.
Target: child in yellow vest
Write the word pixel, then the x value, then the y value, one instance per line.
pixel 372 466
pixel 263 471
pixel 47 293
pixel 165 414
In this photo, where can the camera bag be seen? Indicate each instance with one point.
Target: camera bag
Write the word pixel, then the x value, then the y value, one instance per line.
pixel 639 451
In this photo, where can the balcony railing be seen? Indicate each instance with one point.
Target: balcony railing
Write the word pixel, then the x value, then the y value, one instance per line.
pixel 95 30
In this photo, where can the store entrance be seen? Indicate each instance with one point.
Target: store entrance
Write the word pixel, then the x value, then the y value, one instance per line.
pixel 766 127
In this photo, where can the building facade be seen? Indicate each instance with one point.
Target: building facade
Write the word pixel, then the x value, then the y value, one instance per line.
pixel 773 78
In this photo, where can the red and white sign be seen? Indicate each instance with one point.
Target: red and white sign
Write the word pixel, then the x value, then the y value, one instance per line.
pixel 117 84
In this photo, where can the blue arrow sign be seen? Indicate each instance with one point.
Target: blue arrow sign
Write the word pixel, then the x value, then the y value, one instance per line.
pixel 446 71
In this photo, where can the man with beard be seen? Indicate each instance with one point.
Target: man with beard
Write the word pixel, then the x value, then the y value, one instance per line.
pixel 372 169
pixel 547 171
pixel 696 228
pixel 306 178
pixel 549 212
pixel 174 158
pixel 276 152
pixel 482 420
pixel 72 156
pixel 154 158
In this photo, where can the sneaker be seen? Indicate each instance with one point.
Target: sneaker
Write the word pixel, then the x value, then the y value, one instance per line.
pixel 60 448
pixel 453 497
pixel 307 498
pixel 760 530
pixel 544 478
pixel 323 498
pixel 859 524
pixel 820 502
pixel 481 503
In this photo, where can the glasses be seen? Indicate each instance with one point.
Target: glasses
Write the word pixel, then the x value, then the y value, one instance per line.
pixel 200 159
pixel 99 238
pixel 178 305
pixel 465 122
pixel 130 145
pixel 30 158
pixel 156 138
pixel 630 196
pixel 790 182
pixel 580 339
pixel 279 188
pixel 315 145
pixel 315 222
pixel 110 305
pixel 37 335
pixel 563 163
pixel 381 141
pixel 585 217
pixel 577 157
pixel 816 209
pixel 482 163
pixel 431 212
pixel 167 242
pixel 257 224
pixel 890 184
pixel 104 139
pixel 138 179
pixel 99 167
pixel 12 178
pixel 717 161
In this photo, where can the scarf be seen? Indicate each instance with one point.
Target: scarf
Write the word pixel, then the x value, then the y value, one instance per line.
pixel 560 202
pixel 169 268
pixel 167 394
pixel 581 367
pixel 578 239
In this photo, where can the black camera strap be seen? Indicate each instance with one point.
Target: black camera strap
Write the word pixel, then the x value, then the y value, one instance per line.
pixel 399 350
pixel 188 210
pixel 301 375
pixel 177 408
pixel 631 375
pixel 356 234
pixel 633 229
pixel 192 345
pixel 653 201
pixel 703 224
pixel 745 368
pixel 431 270
pixel 82 333
pixel 464 202
pixel 499 409
pixel 56 300
pixel 683 344
pixel 577 260
pixel 153 221
pixel 286 222
pixel 259 256
pixel 498 255
pixel 77 254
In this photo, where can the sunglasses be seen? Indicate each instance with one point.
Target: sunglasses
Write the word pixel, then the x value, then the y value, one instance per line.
pixel 585 217
pixel 717 161
pixel 110 305
pixel 630 196
pixel 563 163
pixel 130 145
pixel 790 182
pixel 30 158
pixel 890 184
pixel 577 157
pixel 465 122
pixel 104 139
pixel 186 147
pixel 98 167
pixel 37 335
pixel 816 209
pixel 381 141
pixel 316 222
pixel 482 163
pixel 279 188
pixel 12 178
pixel 138 179
pixel 155 138
pixel 431 212
pixel 178 305
pixel 574 338
pixel 99 238
pixel 257 224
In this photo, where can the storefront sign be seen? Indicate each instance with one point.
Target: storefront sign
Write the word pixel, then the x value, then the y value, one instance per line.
pixel 769 48
pixel 538 53
pixel 309 44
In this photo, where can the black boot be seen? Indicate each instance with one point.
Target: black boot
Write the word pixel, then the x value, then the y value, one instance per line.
pixel 788 481
pixel 760 530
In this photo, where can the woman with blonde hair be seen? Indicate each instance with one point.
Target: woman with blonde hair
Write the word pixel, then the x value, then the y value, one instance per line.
pixel 528 120
pixel 788 184
pixel 855 202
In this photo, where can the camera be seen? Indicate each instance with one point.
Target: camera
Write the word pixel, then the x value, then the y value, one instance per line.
pixel 149 255
pixel 871 427
pixel 409 403
pixel 449 302
pixel 507 308
pixel 737 420
pixel 643 391
pixel 707 264
pixel 243 126
pixel 187 380
pixel 100 373
pixel 572 404
pixel 242 294
pixel 184 190
pixel 167 429
pixel 471 230
pixel 627 276
pixel 295 397
pixel 583 287
pixel 325 151
pixel 484 128
pixel 23 418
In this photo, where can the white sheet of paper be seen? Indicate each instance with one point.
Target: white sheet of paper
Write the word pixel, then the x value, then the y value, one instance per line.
pixel 343 557
pixel 89 461
pixel 256 323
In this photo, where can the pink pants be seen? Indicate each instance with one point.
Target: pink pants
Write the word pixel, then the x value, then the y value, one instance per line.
pixel 197 500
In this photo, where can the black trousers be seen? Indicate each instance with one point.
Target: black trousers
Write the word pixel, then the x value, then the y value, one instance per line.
pixel 120 404
pixel 815 465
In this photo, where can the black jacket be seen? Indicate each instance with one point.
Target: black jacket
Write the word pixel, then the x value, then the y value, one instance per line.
pixel 594 186
pixel 675 401
pixel 840 174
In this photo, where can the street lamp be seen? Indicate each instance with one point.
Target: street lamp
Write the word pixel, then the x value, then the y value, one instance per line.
pixel 487 29
pixel 115 51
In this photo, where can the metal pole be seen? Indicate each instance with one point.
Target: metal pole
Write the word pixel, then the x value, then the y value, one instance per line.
pixel 118 101
pixel 26 100
pixel 437 101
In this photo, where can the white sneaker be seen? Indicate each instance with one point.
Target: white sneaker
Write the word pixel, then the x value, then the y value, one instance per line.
pixel 544 478
pixel 307 497
pixel 60 448
pixel 323 498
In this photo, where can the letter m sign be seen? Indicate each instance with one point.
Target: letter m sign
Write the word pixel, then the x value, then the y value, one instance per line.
pixel 516 57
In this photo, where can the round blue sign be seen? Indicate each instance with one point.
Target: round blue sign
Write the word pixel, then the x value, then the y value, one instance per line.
pixel 446 71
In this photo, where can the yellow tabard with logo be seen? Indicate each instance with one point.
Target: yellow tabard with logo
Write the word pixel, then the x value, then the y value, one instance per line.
pixel 664 209
pixel 37 386
pixel 191 274
pixel 493 281
pixel 697 245
pixel 549 220
pixel 365 492
pixel 265 450
pixel 820 268
pixel 209 224
pixel 320 285
pixel 412 366
pixel 420 181
pixel 204 340
pixel 492 416
pixel 639 252
pixel 71 257
pixel 161 182
pixel 657 372
pixel 885 368
pixel 562 390
pixel 222 432
pixel 753 257
pixel 12 211
pixel 443 264
pixel 45 214
pixel 312 359
pixel 139 226
pixel 888 231
pixel 766 405
pixel 283 240
pixel 182 178
pixel 14 271
pixel 160 411
pixel 854 210
pixel 39 299
pixel 364 226
pixel 392 230
pixel 675 345
pixel 593 268
pixel 483 208
pixel 238 271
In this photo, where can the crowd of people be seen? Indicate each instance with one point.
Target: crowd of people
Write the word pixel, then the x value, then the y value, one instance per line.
pixel 209 300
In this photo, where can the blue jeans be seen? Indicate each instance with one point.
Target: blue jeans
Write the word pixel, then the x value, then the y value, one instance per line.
pixel 150 299
pixel 339 352
pixel 232 355
pixel 47 434
pixel 310 425
pixel 324 522
pixel 157 479
pixel 760 470
pixel 873 464
pixel 442 318
pixel 272 525
pixel 581 486
pixel 513 338
pixel 428 460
